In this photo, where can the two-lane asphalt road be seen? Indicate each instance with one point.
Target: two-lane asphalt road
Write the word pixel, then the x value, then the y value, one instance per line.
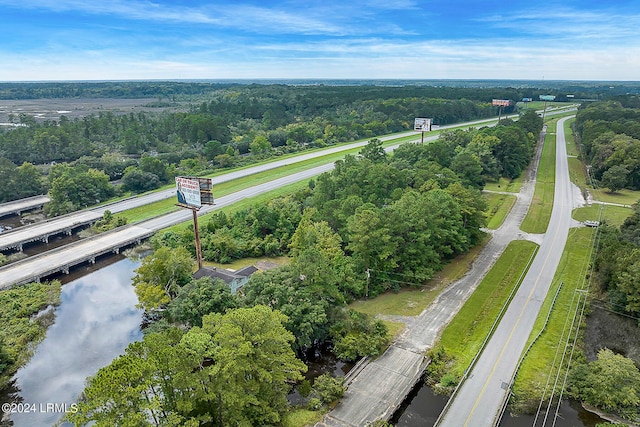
pixel 480 398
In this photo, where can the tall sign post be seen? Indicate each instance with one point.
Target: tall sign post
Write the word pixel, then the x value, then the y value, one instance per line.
pixel 192 193
pixel 546 98
pixel 422 125
pixel 500 103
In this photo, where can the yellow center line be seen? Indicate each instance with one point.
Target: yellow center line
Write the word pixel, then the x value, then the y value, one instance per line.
pixel 504 348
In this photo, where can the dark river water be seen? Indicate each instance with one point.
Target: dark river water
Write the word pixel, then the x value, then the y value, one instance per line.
pixel 97 319
pixel 94 323
pixel 422 408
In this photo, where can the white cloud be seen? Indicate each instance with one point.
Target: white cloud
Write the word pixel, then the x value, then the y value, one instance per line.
pixel 568 23
pixel 365 58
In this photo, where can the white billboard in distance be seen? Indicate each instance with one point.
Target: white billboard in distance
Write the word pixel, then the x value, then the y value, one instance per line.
pixel 422 124
pixel 501 102
pixel 188 192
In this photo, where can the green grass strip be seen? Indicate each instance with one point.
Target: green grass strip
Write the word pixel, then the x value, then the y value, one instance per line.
pixel 412 301
pixel 465 335
pixel 505 184
pixel 614 215
pixel 539 213
pixel 168 205
pixel 536 367
pixel 623 197
pixel 498 207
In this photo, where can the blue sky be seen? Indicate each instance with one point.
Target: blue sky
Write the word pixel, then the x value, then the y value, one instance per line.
pixel 358 39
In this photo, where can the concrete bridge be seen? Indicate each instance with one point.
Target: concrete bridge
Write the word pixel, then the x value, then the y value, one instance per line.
pixel 62 259
pixel 378 387
pixel 41 231
pixel 18 206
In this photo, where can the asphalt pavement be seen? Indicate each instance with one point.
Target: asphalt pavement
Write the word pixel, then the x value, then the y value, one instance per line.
pixel 480 398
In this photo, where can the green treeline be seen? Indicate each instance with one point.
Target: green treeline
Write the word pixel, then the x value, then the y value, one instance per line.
pixel 222 126
pixel 509 89
pixel 435 185
pixel 610 136
pixel 375 222
pixel 612 381
pixel 236 115
pixel 617 265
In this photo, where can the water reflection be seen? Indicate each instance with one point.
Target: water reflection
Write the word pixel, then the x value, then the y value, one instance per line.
pixel 94 323
pixel 570 414
pixel 422 408
pixel 319 360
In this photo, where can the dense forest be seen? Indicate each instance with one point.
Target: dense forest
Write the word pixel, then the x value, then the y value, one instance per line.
pixel 378 221
pixel 225 125
pixel 610 136
pixel 430 88
pixel 617 265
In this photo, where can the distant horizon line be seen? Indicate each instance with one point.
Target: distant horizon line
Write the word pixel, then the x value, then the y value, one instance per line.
pixel 317 79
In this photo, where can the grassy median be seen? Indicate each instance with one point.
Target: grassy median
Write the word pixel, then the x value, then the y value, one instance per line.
pixel 463 337
pixel 168 205
pixel 539 214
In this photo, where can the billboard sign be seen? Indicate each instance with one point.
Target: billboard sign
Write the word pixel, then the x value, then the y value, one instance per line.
pixel 194 192
pixel 527 99
pixel 188 191
pixel 547 97
pixel 422 124
pixel 501 102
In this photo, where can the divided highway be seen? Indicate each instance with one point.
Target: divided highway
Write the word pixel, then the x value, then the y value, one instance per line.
pixel 61 259
pixel 480 398
pixel 16 238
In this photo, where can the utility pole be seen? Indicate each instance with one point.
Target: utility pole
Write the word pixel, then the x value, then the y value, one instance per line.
pixel 546 98
pixel 366 293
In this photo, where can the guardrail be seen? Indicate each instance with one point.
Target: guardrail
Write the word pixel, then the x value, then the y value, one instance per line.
pixel 505 401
